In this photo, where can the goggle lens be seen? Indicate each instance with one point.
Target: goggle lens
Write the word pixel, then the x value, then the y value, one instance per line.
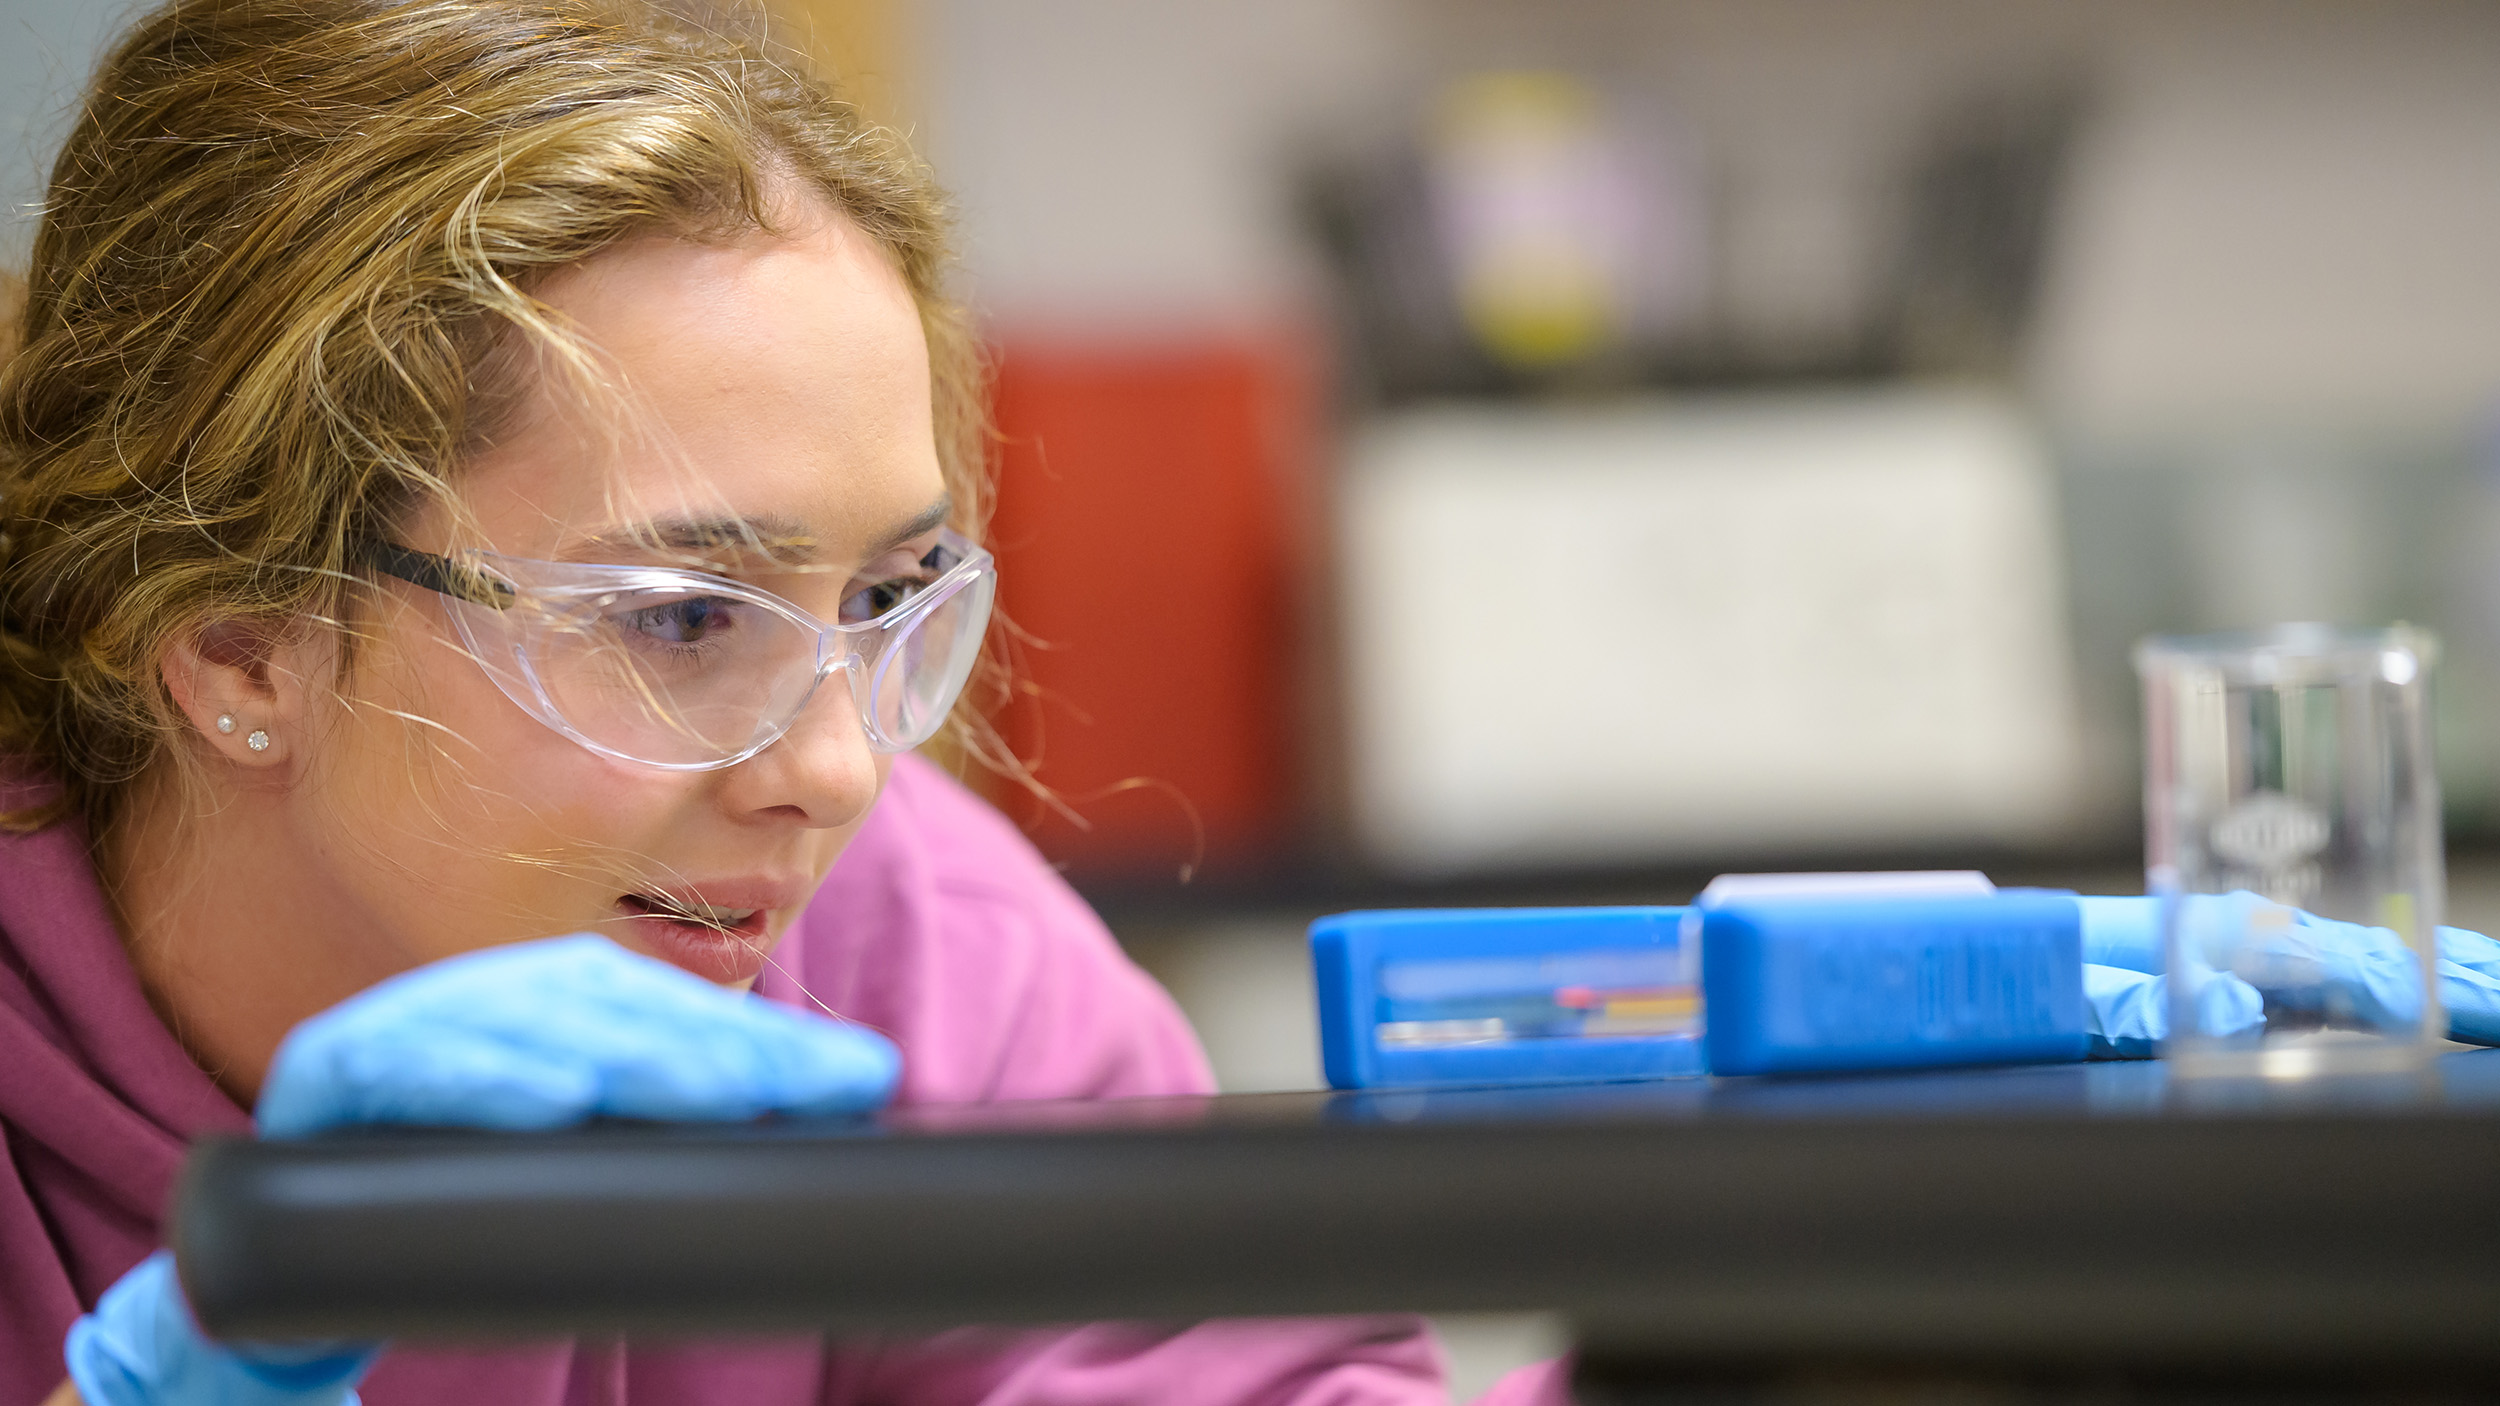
pixel 672 676
pixel 682 670
pixel 921 671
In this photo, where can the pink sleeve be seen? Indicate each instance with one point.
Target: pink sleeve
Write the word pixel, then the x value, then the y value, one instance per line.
pixel 942 927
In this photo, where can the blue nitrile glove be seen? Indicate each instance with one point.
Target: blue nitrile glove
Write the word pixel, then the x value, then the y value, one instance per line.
pixel 529 1036
pixel 2127 999
pixel 2469 985
pixel 2365 966
pixel 547 1034
pixel 140 1348
pixel 2127 1013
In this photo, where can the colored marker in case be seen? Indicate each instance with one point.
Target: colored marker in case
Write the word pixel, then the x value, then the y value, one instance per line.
pixel 1417 998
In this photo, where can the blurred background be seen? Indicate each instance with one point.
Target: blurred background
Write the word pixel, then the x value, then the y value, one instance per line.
pixel 1474 451
pixel 1466 451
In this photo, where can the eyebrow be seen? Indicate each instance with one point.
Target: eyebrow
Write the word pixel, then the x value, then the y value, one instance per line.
pixel 785 537
pixel 781 536
pixel 930 520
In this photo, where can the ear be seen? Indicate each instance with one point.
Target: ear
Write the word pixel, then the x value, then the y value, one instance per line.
pixel 246 687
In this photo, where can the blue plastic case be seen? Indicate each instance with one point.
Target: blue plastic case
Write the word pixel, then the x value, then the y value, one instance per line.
pixel 1754 985
pixel 1797 985
pixel 1425 997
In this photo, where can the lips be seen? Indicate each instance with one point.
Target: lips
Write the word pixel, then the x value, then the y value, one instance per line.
pixel 720 932
pixel 689 911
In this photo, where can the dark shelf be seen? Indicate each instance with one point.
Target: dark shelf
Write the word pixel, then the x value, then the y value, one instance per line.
pixel 2077 1214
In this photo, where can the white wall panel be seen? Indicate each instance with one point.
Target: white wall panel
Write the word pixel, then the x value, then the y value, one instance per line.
pixel 1691 629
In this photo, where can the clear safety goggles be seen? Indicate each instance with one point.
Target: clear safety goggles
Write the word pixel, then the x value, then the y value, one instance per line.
pixel 689 671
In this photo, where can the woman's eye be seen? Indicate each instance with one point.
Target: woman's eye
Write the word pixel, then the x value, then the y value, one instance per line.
pixel 688 621
pixel 871 601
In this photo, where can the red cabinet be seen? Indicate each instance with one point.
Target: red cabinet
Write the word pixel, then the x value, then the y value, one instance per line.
pixel 1153 532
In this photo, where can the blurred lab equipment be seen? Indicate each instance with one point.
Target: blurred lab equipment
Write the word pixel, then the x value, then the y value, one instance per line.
pixel 1749 624
pixel 1560 244
pixel 2289 790
pixel 1535 229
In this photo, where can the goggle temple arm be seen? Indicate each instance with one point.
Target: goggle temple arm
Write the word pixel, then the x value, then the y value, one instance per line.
pixel 440 574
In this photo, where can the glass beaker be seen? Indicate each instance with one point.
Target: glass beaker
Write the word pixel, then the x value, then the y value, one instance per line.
pixel 2291 813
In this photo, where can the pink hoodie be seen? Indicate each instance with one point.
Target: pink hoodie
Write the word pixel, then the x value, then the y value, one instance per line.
pixel 940 926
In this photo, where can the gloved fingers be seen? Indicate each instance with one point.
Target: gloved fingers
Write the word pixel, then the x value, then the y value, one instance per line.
pixel 2367 966
pixel 2225 1005
pixel 628 1055
pixel 2468 967
pixel 2356 971
pixel 2470 950
pixel 772 1059
pixel 2125 932
pixel 545 1034
pixel 141 1348
pixel 354 1073
pixel 2472 998
pixel 2127 1013
pixel 2122 1011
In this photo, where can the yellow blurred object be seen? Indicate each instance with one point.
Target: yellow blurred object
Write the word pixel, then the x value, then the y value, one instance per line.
pixel 1537 305
pixel 1639 1007
pixel 2397 914
pixel 1507 104
pixel 1524 171
pixel 1653 1013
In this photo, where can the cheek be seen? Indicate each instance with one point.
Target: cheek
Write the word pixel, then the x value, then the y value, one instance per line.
pixel 482 825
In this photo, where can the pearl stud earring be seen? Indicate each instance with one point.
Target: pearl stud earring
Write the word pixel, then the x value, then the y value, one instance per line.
pixel 258 741
pixel 225 722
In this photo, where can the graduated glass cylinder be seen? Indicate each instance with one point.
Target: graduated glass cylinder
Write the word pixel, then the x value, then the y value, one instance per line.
pixel 2292 830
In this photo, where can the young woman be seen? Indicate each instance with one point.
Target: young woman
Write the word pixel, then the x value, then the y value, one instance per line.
pixel 473 472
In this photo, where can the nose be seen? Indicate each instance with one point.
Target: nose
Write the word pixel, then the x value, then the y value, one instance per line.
pixel 821 774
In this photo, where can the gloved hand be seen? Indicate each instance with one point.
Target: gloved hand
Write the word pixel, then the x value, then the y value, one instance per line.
pixel 2128 1012
pixel 529 1036
pixel 2364 967
pixel 548 1034
pixel 140 1348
